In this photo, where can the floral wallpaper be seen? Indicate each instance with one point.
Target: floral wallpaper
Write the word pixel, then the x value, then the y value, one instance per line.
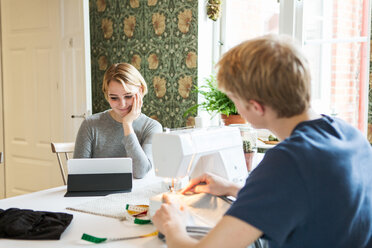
pixel 159 38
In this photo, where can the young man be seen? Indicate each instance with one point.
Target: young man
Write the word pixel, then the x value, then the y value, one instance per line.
pixel 314 189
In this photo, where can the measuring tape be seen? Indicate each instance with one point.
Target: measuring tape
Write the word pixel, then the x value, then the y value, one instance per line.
pixel 138 214
pixel 97 240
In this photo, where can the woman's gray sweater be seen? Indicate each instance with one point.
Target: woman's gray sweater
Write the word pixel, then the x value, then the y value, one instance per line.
pixel 100 136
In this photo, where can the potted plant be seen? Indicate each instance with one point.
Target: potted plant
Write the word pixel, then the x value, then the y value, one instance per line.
pixel 248 154
pixel 216 102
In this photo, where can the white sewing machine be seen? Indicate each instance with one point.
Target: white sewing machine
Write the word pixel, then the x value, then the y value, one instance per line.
pixel 191 152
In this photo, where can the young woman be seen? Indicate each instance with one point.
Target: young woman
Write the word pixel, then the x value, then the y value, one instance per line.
pixel 122 131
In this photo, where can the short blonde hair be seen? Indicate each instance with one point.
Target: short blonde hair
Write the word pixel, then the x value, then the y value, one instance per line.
pixel 270 70
pixel 123 73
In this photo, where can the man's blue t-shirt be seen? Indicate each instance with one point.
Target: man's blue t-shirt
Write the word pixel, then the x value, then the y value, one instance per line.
pixel 314 189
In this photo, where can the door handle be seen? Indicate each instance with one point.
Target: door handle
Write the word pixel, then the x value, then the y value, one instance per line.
pixel 1 157
pixel 79 116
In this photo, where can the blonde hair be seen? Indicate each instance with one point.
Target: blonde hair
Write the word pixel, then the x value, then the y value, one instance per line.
pixel 123 73
pixel 270 70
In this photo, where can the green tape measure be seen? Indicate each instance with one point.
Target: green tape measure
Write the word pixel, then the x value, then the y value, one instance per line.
pixel 138 214
pixel 97 240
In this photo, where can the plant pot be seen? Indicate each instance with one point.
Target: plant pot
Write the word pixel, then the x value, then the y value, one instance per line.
pixel 232 119
pixel 249 160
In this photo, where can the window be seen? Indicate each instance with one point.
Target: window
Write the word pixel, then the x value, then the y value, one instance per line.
pixel 335 37
pixel 242 20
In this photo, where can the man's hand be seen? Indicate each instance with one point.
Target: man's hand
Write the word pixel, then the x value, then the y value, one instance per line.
pixel 230 231
pixel 170 217
pixel 211 184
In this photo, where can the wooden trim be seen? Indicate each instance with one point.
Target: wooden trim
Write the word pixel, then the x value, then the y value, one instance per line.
pixel 63 147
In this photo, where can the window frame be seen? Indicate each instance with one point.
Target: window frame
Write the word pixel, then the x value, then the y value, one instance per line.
pixel 291 22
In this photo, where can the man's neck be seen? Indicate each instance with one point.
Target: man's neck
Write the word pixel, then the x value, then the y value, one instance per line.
pixel 283 127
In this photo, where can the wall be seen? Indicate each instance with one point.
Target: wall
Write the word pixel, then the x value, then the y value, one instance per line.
pixel 346 60
pixel 158 37
pixel 346 64
pixel 370 96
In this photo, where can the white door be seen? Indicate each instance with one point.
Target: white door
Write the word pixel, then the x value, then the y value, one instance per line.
pixel 36 62
pixel 2 168
pixel 75 66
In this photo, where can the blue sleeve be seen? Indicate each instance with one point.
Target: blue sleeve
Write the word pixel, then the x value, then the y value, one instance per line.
pixel 274 198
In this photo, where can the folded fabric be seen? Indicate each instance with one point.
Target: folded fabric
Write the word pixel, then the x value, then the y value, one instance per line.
pixel 18 223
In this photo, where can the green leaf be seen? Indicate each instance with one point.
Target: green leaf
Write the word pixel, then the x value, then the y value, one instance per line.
pixel 214 102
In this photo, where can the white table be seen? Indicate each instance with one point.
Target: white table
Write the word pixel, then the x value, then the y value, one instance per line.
pixel 53 200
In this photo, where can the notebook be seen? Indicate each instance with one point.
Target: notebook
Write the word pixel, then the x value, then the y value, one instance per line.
pixel 98 176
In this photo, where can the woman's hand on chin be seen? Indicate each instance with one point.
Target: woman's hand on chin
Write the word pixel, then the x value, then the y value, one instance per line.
pixel 135 112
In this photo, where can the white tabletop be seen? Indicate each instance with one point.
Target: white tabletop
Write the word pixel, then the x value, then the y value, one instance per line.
pixel 53 200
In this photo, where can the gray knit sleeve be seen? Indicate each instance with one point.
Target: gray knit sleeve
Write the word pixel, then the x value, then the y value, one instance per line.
pixel 141 153
pixel 83 143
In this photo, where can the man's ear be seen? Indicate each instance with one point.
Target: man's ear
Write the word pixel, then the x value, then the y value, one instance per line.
pixel 259 108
